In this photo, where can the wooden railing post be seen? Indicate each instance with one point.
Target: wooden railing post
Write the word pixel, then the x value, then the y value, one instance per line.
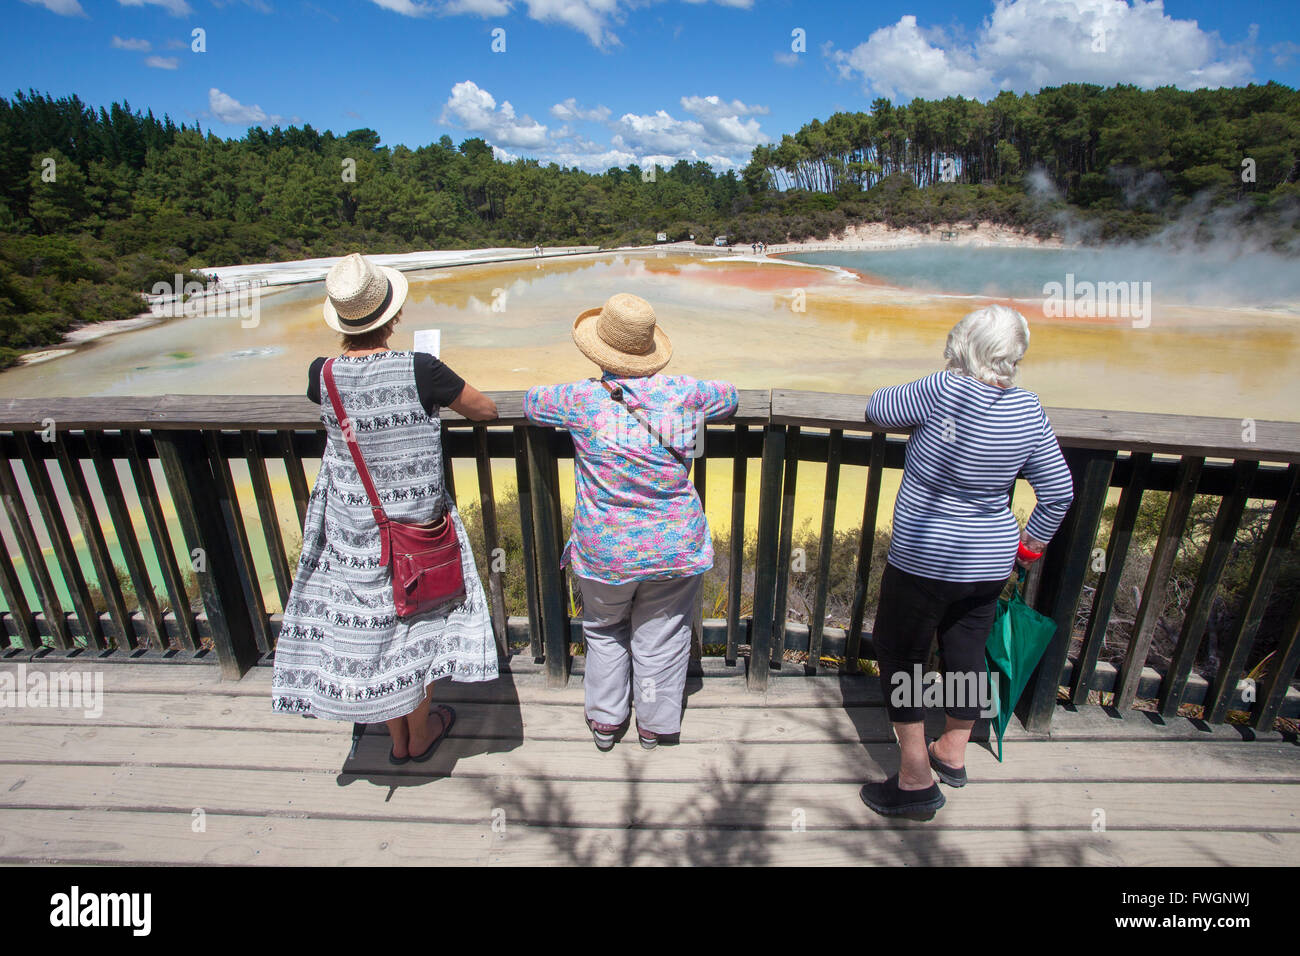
pixel 524 485
pixel 1064 568
pixel 866 547
pixel 547 533
pixel 735 572
pixel 769 500
pixel 1153 592
pixel 190 479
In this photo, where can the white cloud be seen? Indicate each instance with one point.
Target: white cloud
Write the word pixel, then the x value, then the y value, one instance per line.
pixel 1282 52
pixel 64 8
pixel 161 62
pixel 592 18
pixel 407 8
pixel 719 132
pixel 786 59
pixel 227 109
pixel 1025 45
pixel 140 46
pixel 177 8
pixel 482 8
pixel 719 127
pixel 570 110
pixel 714 107
pixel 475 109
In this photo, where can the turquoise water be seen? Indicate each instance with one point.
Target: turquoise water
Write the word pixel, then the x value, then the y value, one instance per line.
pixel 1222 275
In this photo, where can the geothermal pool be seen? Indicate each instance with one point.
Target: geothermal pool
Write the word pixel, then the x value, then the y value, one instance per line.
pixel 1223 340
pixel 762 325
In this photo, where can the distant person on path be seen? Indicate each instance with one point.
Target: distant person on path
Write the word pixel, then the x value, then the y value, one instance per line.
pixel 955 540
pixel 640 542
pixel 343 653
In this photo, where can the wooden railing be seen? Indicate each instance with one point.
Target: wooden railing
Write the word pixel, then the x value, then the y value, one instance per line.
pixel 194 439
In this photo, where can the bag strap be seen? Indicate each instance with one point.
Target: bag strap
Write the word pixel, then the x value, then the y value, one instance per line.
pixel 353 447
pixel 616 393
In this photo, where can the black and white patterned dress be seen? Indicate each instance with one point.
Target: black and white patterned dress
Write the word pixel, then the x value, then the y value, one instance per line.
pixel 343 653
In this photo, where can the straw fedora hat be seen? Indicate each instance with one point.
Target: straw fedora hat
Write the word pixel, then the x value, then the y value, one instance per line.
pixel 621 336
pixel 361 296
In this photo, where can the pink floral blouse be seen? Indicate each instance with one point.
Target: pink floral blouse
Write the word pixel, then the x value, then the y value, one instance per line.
pixel 637 516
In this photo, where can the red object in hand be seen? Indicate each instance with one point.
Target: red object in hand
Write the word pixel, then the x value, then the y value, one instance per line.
pixel 1025 556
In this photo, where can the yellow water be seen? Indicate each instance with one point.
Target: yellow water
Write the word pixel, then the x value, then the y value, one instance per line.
pixel 770 325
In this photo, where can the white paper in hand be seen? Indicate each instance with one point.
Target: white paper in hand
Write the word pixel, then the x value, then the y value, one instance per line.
pixel 428 340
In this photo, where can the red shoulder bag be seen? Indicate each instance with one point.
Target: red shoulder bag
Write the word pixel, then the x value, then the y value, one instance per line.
pixel 424 558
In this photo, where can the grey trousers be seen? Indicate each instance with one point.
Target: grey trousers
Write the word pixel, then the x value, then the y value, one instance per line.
pixel 638 639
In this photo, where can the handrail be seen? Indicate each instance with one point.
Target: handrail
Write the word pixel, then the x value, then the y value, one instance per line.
pixel 195 438
pixel 1075 427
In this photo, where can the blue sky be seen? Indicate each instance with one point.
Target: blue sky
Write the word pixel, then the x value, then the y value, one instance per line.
pixel 596 83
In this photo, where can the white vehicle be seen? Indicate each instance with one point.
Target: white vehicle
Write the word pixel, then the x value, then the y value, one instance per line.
pixel 721 241
pixel 661 237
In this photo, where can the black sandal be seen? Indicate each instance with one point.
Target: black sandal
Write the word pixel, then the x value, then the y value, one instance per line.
pixel 442 710
pixel 888 800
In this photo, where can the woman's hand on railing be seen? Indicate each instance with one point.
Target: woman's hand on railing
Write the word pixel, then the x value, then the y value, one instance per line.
pixel 1030 550
pixel 473 404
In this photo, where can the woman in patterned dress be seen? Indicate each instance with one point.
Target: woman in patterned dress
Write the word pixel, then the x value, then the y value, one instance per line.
pixel 640 542
pixel 342 652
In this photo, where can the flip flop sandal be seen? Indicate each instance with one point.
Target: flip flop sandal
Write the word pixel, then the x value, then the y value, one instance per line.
pixel 442 711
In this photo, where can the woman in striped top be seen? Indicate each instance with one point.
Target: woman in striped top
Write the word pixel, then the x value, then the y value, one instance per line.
pixel 954 539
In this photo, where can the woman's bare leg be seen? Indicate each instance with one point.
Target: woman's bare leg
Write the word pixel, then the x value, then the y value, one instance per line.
pixel 422 728
pixel 400 735
pixel 914 767
pixel 951 747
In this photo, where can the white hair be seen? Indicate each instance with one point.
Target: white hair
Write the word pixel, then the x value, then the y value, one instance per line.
pixel 987 344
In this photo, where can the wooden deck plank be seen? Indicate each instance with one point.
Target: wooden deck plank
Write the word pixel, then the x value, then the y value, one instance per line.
pixel 771 806
pixel 563 720
pixel 96 836
pixel 1135 761
pixel 719 686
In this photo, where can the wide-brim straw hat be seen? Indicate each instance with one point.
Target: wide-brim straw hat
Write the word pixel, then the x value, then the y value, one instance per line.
pixel 622 336
pixel 361 296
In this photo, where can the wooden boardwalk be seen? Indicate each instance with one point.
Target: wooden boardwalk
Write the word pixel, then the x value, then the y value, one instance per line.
pixel 182 768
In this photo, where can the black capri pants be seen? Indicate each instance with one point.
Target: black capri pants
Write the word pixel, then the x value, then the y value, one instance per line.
pixel 912 609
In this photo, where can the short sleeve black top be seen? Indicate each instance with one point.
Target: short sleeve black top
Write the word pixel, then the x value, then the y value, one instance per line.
pixel 437 385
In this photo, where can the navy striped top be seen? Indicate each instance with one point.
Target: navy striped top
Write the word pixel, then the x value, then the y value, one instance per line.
pixel 951 518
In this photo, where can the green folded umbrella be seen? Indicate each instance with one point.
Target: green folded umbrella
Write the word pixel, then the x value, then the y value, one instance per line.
pixel 1019 638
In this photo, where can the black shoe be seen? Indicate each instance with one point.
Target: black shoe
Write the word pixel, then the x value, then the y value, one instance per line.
pixel 952 776
pixel 886 799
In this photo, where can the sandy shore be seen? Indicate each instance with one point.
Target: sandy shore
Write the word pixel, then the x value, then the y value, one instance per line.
pixel 314 270
pixel 877 235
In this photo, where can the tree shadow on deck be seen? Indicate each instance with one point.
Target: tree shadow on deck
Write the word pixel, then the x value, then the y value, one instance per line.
pixel 761 802
pixel 490 723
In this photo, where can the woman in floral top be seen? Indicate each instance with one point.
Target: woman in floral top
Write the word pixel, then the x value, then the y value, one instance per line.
pixel 640 542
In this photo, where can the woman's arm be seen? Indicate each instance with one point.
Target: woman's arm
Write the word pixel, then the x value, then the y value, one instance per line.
pixel 717 400
pixel 549 404
pixel 1053 486
pixel 900 406
pixel 473 404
